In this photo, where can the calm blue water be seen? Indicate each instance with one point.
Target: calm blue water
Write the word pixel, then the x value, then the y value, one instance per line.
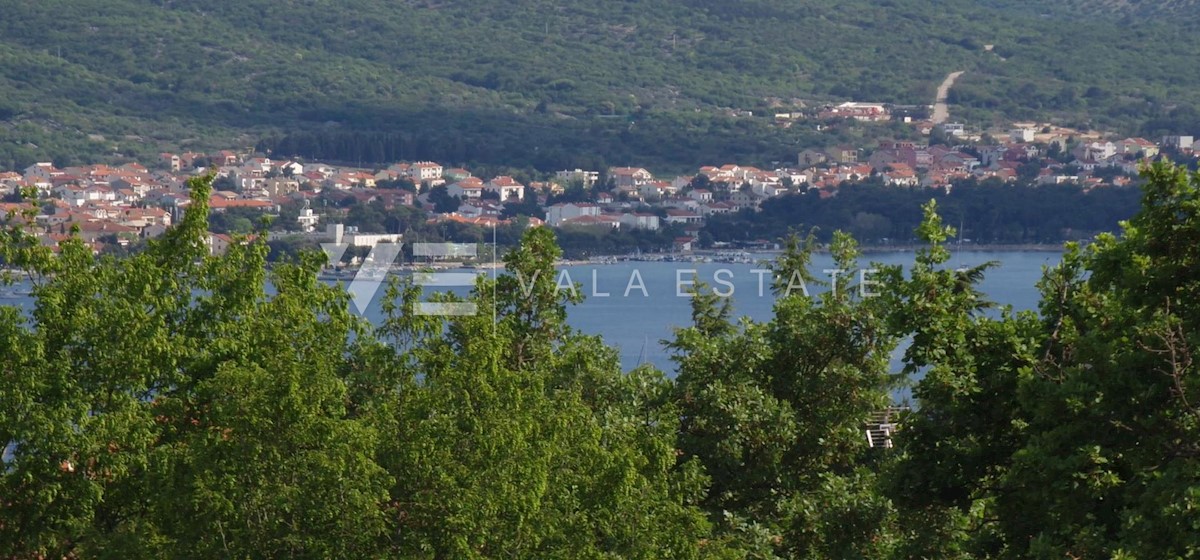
pixel 637 322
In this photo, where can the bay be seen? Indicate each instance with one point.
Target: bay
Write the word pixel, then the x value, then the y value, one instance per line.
pixel 635 321
pixel 636 325
pixel 634 306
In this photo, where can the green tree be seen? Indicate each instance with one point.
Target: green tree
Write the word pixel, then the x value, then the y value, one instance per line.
pixel 966 427
pixel 443 203
pixel 1069 435
pixel 774 414
pixel 163 405
pixel 522 437
pixel 1112 400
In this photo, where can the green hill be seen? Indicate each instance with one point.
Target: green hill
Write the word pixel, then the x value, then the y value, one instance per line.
pixel 1174 9
pixel 542 83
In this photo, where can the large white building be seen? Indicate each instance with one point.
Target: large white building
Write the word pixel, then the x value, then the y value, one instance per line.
pixel 425 172
pixel 350 235
pixel 1179 142
pixel 587 178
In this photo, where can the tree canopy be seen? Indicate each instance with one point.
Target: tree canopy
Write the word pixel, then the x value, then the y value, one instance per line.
pixel 172 404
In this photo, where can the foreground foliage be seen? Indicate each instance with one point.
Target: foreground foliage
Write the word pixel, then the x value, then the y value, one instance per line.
pixel 173 404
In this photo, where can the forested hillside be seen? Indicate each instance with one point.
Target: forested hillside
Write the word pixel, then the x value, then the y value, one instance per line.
pixel 479 81
pixel 988 212
pixel 1111 9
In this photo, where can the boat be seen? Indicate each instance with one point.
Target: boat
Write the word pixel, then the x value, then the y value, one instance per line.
pixel 14 293
pixel 335 275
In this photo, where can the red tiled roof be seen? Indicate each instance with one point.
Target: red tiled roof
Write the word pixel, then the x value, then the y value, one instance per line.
pixel 504 181
pixel 218 202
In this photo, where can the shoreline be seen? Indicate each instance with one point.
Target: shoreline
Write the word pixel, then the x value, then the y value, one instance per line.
pixel 969 248
pixel 718 256
pixel 723 255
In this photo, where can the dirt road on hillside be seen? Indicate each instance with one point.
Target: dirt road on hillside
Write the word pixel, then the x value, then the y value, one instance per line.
pixel 941 112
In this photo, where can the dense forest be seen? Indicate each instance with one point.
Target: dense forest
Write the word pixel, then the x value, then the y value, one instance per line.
pixel 990 211
pixel 490 82
pixel 167 405
pixel 1121 10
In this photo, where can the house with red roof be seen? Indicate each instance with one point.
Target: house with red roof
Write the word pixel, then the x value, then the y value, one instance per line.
pixel 219 243
pixel 225 157
pixel 426 172
pixel 602 220
pixel 219 203
pixel 470 187
pixel 507 187
pixel 559 213
pixel 678 216
pixel 630 178
pixel 1135 146
pixel 900 175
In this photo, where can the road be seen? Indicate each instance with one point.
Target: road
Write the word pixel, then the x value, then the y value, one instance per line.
pixel 941 112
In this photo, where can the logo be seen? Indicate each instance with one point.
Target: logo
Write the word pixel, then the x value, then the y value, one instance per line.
pixel 444 279
pixel 372 275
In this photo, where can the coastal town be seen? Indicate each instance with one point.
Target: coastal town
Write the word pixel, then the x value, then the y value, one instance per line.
pixel 114 206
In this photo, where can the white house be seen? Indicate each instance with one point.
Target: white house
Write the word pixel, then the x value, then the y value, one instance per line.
pixel 559 213
pixel 717 208
pixel 587 178
pixel 954 129
pixel 342 234
pixel 255 167
pixel 307 219
pixel 425 172
pixel 1022 135
pixel 471 187
pixel 767 183
pixel 742 200
pixel 676 216
pixel 507 187
pixel 1098 150
pixel 78 196
pixel 606 220
pixel 901 175
pixel 682 204
pixel 1053 178
pixel 43 171
pixel 172 161
pixel 655 189
pixel 291 169
pixel 630 177
pixel 639 221
pixel 1179 142
pixel 798 177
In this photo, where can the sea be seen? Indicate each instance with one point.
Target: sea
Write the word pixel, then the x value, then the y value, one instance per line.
pixel 637 305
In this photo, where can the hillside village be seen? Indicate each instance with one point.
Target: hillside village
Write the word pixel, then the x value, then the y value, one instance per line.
pixel 114 207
